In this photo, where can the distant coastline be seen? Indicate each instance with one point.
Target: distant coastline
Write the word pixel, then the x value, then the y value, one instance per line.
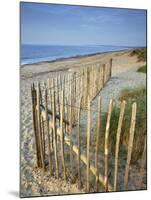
pixel 76 56
pixel 35 54
pixel 46 68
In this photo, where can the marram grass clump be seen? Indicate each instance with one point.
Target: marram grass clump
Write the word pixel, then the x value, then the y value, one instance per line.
pixel 141 54
pixel 130 95
pixel 143 69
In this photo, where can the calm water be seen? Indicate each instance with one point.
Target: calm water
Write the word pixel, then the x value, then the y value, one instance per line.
pixel 37 53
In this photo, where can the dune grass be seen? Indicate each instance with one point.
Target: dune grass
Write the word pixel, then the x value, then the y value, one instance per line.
pixel 130 95
pixel 141 54
pixel 143 69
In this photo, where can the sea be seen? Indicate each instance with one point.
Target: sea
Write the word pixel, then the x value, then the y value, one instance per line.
pixel 39 53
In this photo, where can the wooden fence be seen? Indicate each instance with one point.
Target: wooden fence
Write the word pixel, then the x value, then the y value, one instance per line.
pixel 57 107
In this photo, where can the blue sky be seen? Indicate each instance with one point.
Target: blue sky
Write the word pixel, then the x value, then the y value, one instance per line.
pixel 78 25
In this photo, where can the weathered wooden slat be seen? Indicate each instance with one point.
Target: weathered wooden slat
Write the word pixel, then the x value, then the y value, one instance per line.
pixel 106 151
pixel 118 134
pixel 39 126
pixel 74 97
pixel 70 131
pixel 111 63
pixel 103 75
pixel 54 130
pixel 49 93
pixel 79 144
pixel 88 142
pixel 62 135
pixel 57 96
pixel 40 93
pixel 41 121
pixel 43 136
pixel 130 144
pixel 66 114
pixel 34 116
pixel 97 142
pixel 48 131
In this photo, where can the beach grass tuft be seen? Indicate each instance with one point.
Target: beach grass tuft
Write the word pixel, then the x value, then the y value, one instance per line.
pixel 141 54
pixel 143 69
pixel 137 95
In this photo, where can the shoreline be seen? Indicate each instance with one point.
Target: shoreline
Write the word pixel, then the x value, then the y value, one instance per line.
pixel 76 56
pixel 47 68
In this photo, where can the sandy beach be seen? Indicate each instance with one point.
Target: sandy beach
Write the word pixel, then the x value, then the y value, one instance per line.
pixel 124 74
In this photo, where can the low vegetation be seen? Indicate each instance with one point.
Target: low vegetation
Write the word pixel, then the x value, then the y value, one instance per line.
pixel 141 54
pixel 130 95
pixel 143 69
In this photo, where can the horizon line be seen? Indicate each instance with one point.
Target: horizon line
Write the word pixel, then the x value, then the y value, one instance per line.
pixel 112 45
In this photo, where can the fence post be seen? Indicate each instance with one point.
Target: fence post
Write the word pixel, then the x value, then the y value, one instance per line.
pixel 97 142
pixel 43 136
pixel 86 87
pixel 88 84
pixel 57 95
pixel 130 144
pixel 74 98
pixel 48 131
pixel 88 141
pixel 118 134
pixel 39 126
pixel 70 132
pixel 82 88
pixel 54 130
pixel 106 146
pixel 34 116
pixel 111 62
pixel 42 121
pixel 103 77
pixel 79 144
pixel 50 93
pixel 62 134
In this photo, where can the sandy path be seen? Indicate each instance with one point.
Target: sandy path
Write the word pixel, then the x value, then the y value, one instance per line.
pixel 124 75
